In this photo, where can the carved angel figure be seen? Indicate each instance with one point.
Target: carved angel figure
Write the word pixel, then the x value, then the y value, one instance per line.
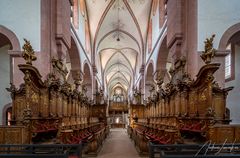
pixel 58 65
pixel 28 52
pixel 209 51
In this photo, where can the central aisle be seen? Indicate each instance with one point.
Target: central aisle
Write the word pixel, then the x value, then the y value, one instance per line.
pixel 118 145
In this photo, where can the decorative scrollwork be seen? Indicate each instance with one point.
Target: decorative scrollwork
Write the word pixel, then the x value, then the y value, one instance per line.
pixel 27 114
pixel 210 112
pixel 12 89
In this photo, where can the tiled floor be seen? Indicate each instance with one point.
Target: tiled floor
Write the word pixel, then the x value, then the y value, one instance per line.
pixel 118 145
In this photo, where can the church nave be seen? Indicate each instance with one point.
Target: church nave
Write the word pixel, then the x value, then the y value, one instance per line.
pixel 118 145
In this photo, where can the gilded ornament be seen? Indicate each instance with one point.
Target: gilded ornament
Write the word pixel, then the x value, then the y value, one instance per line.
pixel 210 112
pixel 12 89
pixel 209 51
pixel 203 95
pixel 28 52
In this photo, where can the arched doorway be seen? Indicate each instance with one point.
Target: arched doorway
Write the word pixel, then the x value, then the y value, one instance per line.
pixel 8 41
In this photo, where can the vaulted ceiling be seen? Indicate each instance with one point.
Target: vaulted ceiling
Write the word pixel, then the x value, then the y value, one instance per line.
pixel 118 30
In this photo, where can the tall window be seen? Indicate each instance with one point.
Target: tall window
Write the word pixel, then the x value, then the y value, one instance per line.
pixel 229 65
pixel 154 7
pixel 75 18
pixel 8 115
pixel 162 12
pixel 150 36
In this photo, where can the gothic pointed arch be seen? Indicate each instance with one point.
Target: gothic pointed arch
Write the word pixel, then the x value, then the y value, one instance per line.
pixel 75 60
pixel 149 78
pixel 87 79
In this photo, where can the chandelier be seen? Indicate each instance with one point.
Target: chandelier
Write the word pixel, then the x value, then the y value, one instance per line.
pixel 117 34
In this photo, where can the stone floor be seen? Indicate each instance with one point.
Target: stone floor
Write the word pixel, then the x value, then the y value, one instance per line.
pixel 118 145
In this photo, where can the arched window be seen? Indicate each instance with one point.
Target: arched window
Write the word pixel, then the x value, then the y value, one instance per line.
pixel 154 6
pixel 87 37
pixel 118 95
pixel 162 12
pixel 8 115
pixel 229 63
pixel 82 7
pixel 150 36
pixel 75 17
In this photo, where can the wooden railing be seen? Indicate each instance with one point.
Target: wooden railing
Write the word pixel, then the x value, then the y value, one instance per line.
pixel 206 150
pixel 41 151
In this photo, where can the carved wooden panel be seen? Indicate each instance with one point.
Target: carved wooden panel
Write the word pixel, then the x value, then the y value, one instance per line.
pixel 202 102
pixel 2 136
pixel 69 106
pixel 64 105
pixel 59 105
pixel 171 105
pixel 43 103
pixel 34 101
pixel 20 105
pixel 192 103
pixel 183 104
pixel 177 104
pixel 237 134
pixel 222 133
pixel 167 108
pixel 13 135
pixel 219 105
pixel 53 102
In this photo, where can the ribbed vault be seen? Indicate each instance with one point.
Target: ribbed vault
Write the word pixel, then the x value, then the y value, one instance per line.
pixel 118 31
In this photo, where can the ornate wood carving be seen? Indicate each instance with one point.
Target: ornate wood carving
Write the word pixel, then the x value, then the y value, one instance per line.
pixel 185 106
pixel 51 108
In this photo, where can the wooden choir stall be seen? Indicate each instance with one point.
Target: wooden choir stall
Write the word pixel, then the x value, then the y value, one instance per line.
pixel 52 111
pixel 185 111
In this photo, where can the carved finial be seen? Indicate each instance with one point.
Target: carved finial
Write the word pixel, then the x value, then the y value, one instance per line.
pixel 158 78
pixel 84 90
pixel 78 80
pixel 12 89
pixel 209 51
pixel 58 65
pixel 28 52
